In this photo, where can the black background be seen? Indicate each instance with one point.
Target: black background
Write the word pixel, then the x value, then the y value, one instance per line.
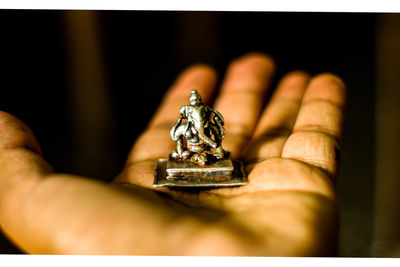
pixel 145 50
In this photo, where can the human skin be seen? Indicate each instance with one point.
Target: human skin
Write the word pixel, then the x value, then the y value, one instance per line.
pixel 288 208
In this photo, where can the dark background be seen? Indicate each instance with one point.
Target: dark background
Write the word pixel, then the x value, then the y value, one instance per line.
pixel 132 57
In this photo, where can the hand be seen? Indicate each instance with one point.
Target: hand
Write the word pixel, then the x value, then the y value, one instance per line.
pixel 288 208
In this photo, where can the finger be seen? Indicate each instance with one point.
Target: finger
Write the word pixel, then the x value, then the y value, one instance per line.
pixel 277 121
pixel 19 151
pixel 156 142
pixel 317 130
pixel 46 213
pixel 242 97
pixel 21 164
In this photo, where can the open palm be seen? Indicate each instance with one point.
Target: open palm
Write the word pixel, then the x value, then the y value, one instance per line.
pixel 290 148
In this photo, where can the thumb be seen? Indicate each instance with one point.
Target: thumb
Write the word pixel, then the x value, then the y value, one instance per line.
pixel 21 167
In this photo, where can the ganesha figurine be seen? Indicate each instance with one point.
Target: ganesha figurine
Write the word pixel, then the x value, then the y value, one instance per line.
pixel 199 159
pixel 198 131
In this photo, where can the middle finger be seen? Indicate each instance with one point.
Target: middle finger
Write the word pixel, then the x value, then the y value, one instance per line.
pixel 277 120
pixel 242 97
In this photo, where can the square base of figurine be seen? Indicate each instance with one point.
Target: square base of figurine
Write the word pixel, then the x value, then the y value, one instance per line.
pixel 188 174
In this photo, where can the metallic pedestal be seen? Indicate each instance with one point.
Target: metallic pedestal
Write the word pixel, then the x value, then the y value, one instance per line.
pixel 182 173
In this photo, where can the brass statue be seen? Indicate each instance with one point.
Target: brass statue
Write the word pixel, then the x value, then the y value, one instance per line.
pixel 199 159
pixel 203 137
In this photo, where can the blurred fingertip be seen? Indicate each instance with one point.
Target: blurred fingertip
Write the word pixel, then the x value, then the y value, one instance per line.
pixel 328 87
pixel 6 116
pixel 259 57
pixel 297 75
pixel 292 85
pixel 200 69
pixel 7 120
pixel 329 78
pixel 14 133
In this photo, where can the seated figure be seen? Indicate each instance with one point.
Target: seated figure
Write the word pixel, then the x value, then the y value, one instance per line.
pixel 198 137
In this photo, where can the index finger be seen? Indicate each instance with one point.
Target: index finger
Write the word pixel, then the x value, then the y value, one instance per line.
pixel 156 142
